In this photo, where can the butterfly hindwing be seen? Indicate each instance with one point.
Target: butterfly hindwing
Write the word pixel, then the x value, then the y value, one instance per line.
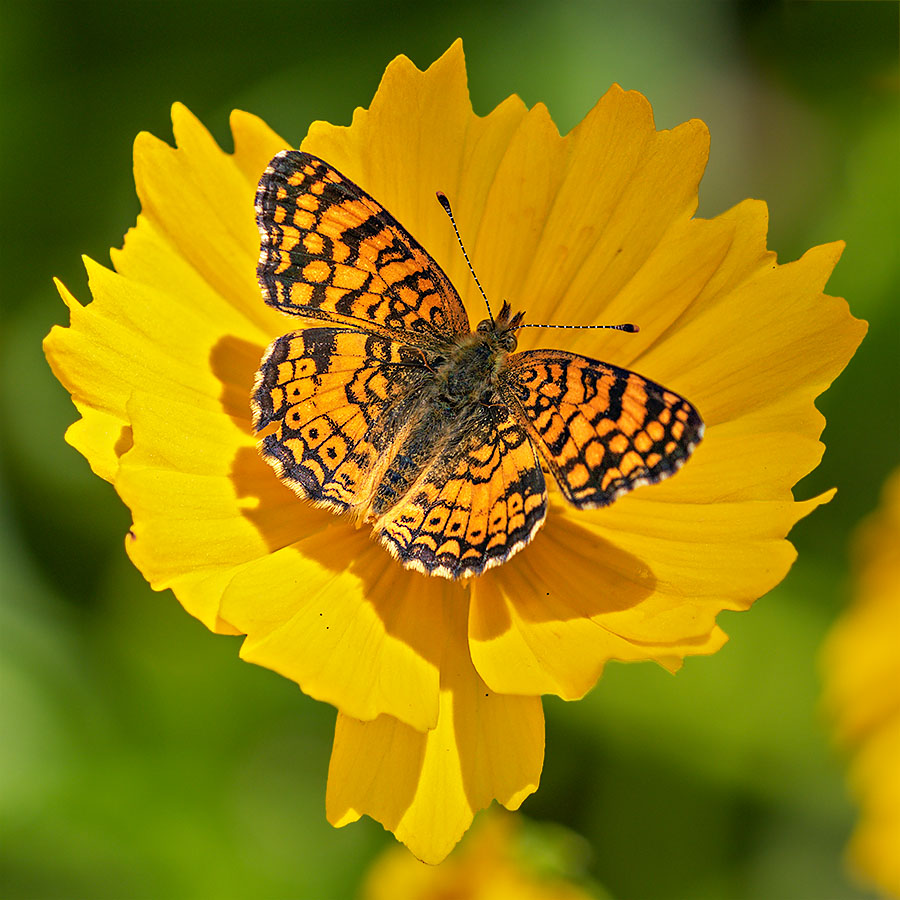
pixel 329 250
pixel 329 403
pixel 602 430
pixel 481 499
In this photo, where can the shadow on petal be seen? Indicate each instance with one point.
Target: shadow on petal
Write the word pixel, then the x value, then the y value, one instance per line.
pixel 234 361
pixel 124 442
pixel 279 516
pixel 566 573
pixel 407 604
pixel 540 624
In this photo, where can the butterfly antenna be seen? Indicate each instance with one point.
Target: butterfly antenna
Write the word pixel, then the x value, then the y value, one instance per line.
pixel 442 199
pixel 625 326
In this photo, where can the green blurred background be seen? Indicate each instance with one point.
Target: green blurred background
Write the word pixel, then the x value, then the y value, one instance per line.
pixel 139 757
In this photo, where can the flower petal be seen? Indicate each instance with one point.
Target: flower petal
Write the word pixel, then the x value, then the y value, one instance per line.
pixel 113 345
pixel 198 200
pixel 587 209
pixel 198 209
pixel 334 613
pixel 757 457
pixel 214 525
pixel 100 435
pixel 862 691
pixel 100 438
pixel 160 294
pixel 784 337
pixel 203 502
pixel 426 788
pixel 504 858
pixel 255 143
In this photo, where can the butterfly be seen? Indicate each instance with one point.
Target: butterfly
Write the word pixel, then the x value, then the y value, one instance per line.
pixel 385 405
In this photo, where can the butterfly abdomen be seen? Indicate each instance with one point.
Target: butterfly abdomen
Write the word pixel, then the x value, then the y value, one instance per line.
pixel 427 436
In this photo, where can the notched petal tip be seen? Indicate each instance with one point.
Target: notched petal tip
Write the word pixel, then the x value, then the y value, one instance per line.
pixel 67 296
pixel 184 120
pixel 145 148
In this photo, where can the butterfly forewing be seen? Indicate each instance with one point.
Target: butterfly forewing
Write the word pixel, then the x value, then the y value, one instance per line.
pixel 602 430
pixel 328 250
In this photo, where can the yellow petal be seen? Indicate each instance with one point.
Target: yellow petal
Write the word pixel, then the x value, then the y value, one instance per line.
pixel 203 502
pixel 214 525
pixel 163 297
pixel 200 202
pixel 101 438
pixel 196 233
pixel 862 692
pixel 592 207
pixel 333 613
pixel 125 340
pixel 862 665
pixel 502 859
pixel 255 143
pixel 724 253
pixel 425 788
pixel 757 457
pixel 783 336
pixel 102 434
pixel 660 291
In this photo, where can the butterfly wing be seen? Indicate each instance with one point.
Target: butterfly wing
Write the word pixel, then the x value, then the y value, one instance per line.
pixel 329 402
pixel 602 430
pixel 481 500
pixel 329 251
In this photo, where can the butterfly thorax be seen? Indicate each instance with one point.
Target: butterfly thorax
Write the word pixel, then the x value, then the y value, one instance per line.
pixel 468 373
pixel 468 369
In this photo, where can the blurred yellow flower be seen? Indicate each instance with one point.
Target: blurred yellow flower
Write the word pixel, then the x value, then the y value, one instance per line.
pixel 862 691
pixel 499 860
pixel 438 683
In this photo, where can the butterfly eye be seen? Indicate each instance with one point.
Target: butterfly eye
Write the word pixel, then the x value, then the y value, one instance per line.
pixel 485 326
pixel 509 342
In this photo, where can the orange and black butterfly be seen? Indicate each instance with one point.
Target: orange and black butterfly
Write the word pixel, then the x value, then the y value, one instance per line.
pixel 385 405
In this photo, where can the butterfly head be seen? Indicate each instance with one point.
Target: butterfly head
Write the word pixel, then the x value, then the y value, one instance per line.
pixel 501 332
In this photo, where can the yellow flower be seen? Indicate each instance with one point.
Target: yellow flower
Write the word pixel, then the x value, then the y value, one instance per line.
pixel 438 683
pixel 499 860
pixel 862 691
